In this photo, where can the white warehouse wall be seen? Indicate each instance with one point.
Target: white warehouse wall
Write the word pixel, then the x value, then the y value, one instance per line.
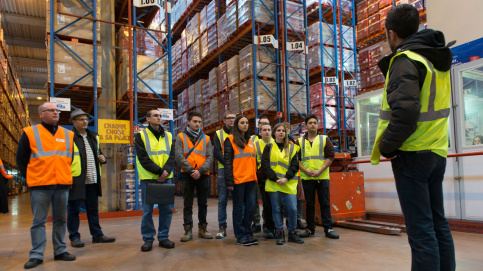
pixel 458 20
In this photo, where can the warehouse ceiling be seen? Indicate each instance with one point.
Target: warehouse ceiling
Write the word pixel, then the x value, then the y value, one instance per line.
pixel 24 26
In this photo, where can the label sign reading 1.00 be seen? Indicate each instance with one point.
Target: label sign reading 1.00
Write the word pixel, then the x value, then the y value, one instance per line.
pixel 350 83
pixel 295 46
pixel 147 3
pixel 331 80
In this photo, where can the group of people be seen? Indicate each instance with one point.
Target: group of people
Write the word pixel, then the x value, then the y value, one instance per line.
pixel 266 164
pixel 63 167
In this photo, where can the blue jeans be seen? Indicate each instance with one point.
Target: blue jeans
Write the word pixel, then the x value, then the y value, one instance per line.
pixel 148 230
pixel 300 208
pixel 243 195
pixel 92 209
pixel 222 198
pixel 291 205
pixel 40 200
pixel 419 178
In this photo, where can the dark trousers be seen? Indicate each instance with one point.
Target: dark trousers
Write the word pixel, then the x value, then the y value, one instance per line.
pixel 323 193
pixel 202 186
pixel 419 177
pixel 243 195
pixel 267 207
pixel 92 210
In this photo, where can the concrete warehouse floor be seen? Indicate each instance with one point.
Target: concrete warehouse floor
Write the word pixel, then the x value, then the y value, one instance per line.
pixel 356 250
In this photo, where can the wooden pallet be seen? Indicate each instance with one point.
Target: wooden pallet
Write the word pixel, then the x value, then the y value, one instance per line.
pixel 73 39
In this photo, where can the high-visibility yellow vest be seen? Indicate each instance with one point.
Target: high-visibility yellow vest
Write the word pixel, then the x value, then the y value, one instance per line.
pixel 435 98
pixel 259 147
pixel 280 163
pixel 76 168
pixel 222 135
pixel 313 157
pixel 254 138
pixel 158 152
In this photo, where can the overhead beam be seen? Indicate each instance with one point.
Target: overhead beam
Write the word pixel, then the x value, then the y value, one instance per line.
pixel 25 42
pixel 36 75
pixel 29 62
pixel 22 19
pixel 34 86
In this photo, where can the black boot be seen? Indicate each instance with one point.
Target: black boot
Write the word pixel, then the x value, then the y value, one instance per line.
pixel 280 237
pixel 295 238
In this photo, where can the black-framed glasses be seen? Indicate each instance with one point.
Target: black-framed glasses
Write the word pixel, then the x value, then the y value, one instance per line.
pixel 155 115
pixel 51 110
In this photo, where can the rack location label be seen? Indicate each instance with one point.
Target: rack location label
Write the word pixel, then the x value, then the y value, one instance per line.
pixel 295 46
pixel 332 80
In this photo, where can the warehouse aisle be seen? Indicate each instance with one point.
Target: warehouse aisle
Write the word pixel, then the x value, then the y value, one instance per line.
pixel 355 250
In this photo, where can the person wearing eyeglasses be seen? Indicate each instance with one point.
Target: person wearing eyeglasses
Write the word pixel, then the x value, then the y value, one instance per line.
pixel 44 157
pixel 86 186
pixel 223 192
pixel 155 162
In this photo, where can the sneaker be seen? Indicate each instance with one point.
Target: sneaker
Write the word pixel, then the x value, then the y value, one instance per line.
pixel 295 238
pixel 221 233
pixel 147 246
pixel 331 234
pixel 243 242
pixel 253 241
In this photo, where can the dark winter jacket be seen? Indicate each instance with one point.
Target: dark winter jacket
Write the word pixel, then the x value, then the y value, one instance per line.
pixel 78 190
pixel 143 156
pixel 404 85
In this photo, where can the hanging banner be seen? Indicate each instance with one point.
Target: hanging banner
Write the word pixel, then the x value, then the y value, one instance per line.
pixel 114 131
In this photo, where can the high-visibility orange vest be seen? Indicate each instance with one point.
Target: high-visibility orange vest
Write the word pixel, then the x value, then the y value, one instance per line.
pixel 4 173
pixel 198 156
pixel 50 157
pixel 244 163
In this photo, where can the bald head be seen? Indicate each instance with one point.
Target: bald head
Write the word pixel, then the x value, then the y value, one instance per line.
pixel 49 113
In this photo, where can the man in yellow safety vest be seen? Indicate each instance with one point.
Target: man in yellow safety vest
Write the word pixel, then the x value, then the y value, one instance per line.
pixel 413 133
pixel 155 162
